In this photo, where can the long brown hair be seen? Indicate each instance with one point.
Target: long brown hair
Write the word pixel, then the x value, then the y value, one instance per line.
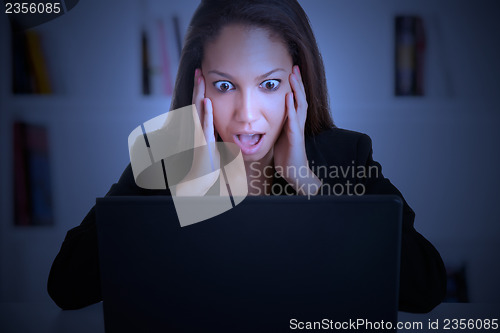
pixel 284 18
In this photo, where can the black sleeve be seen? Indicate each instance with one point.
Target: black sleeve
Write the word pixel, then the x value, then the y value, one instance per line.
pixel 74 278
pixel 423 275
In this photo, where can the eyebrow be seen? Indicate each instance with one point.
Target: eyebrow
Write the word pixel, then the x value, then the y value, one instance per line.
pixel 260 77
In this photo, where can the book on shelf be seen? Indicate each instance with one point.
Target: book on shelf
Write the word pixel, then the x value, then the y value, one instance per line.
pixel 159 58
pixel 32 177
pixel 30 73
pixel 456 286
pixel 146 75
pixel 409 58
pixel 38 64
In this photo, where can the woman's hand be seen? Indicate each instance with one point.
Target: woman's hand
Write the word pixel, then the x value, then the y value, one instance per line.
pixel 289 149
pixel 204 170
pixel 203 106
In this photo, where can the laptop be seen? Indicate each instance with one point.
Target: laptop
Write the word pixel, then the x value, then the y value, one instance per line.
pixel 270 264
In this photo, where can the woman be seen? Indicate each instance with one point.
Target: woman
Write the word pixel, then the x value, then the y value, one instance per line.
pixel 255 74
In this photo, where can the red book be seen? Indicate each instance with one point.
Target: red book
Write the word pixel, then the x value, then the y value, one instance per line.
pixel 39 179
pixel 32 181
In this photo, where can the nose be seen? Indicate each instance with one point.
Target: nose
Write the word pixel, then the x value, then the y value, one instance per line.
pixel 246 108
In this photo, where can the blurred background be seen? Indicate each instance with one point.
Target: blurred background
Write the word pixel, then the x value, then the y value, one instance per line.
pixel 105 67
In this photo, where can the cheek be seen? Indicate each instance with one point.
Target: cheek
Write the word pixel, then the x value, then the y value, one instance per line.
pixel 277 111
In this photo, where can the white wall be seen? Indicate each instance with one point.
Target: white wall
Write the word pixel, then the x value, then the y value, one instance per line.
pixel 439 150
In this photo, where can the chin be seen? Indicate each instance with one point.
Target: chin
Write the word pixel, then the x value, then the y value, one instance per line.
pixel 251 158
pixel 257 157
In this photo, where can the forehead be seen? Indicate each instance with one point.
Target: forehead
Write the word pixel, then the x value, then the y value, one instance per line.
pixel 240 48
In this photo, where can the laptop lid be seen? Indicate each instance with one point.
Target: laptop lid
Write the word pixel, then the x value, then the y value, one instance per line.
pixel 271 264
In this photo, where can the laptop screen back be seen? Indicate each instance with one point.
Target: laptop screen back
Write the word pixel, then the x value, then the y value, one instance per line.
pixel 269 264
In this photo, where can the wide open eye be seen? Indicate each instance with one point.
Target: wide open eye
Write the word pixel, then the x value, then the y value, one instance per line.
pixel 270 85
pixel 223 86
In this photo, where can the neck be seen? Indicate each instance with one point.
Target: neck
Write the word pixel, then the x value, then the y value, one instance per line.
pixel 260 175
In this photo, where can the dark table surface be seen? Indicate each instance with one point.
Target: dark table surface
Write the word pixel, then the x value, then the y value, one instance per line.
pixel 45 317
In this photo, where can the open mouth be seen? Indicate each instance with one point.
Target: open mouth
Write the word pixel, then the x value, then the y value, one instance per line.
pixel 249 143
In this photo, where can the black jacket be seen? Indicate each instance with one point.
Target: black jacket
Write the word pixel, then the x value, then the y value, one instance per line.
pixel 74 280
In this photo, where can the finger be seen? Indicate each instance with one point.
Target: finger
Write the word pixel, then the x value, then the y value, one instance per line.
pixel 199 86
pixel 208 124
pixel 209 130
pixel 291 113
pixel 297 73
pixel 199 93
pixel 300 97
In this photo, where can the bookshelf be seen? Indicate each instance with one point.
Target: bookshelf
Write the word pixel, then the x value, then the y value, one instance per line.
pixel 94 64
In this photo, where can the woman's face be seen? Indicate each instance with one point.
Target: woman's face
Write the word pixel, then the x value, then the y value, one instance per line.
pixel 246 75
